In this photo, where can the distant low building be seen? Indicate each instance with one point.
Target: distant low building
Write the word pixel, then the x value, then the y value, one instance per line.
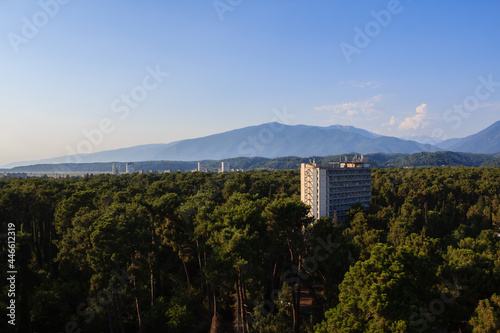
pixel 14 175
pixel 332 190
pixel 143 172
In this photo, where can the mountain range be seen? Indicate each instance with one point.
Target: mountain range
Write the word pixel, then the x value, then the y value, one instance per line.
pixel 273 140
pixel 486 141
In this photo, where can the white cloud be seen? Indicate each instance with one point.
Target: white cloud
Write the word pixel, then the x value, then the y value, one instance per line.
pixel 365 107
pixel 391 122
pixel 417 121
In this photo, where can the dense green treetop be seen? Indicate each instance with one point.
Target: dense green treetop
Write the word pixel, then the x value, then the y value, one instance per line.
pixel 197 251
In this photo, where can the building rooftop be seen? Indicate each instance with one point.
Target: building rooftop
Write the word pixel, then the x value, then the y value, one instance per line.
pixel 348 164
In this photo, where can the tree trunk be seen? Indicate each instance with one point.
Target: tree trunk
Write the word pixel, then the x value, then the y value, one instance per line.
pixel 294 309
pixel 152 288
pixel 138 308
pixel 491 215
pixel 244 318
pixel 242 311
pixel 245 313
pixel 185 270
pixel 273 276
pixel 214 328
pixel 152 279
pixel 201 269
pixel 241 304
pixel 237 309
pixel 139 317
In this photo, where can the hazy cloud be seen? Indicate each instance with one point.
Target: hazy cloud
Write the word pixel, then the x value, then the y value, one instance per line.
pixel 365 107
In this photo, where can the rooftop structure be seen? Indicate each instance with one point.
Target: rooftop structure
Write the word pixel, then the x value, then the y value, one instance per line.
pixel 332 189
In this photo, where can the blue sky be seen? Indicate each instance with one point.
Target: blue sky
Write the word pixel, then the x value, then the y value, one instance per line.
pixel 400 68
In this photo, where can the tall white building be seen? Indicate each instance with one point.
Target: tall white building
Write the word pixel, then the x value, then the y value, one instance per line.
pixel 225 167
pixel 331 190
pixel 202 167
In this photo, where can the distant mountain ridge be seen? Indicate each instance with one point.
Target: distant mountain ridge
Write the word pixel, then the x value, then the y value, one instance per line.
pixel 268 140
pixel 486 141
pixel 353 129
pixel 272 140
